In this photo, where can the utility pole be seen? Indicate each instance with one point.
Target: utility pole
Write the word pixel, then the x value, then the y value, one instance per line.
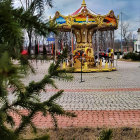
pixel 121 34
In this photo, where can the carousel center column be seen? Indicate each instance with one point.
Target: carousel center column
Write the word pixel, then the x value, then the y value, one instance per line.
pixel 84 44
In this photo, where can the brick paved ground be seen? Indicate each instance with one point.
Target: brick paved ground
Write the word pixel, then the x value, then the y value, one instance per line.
pixel 126 118
pixel 104 99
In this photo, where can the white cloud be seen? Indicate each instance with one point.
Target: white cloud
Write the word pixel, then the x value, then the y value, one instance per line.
pixel 130 8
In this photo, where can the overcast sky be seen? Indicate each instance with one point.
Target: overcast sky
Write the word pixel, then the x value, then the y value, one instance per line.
pixel 130 9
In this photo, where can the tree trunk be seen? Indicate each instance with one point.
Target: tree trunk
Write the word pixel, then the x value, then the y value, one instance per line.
pixel 30 41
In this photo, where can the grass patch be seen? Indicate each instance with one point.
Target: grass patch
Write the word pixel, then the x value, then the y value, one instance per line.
pixel 84 133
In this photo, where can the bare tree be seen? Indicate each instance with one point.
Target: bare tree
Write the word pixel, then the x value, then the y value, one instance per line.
pixel 126 34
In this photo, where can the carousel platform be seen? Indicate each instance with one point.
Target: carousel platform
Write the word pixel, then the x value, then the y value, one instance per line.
pixel 100 68
pixel 96 70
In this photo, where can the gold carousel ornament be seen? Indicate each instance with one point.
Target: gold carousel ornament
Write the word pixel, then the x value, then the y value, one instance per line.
pixel 84 23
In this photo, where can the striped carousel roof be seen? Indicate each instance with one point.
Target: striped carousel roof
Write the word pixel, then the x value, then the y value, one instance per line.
pixel 83 6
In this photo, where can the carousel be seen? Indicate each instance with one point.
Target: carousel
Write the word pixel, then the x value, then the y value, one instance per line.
pixel 91 37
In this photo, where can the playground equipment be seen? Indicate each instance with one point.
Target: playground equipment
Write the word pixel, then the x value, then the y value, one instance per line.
pixel 85 24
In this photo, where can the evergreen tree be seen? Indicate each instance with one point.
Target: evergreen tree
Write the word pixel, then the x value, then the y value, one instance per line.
pixel 13 22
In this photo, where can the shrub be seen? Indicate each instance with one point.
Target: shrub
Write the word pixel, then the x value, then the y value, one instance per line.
pixel 132 56
pixel 106 135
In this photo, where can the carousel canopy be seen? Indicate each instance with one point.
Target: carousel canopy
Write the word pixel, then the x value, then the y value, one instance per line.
pixel 85 16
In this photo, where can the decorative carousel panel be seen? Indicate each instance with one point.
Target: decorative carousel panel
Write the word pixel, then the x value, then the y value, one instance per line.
pixel 60 20
pixel 84 19
pixel 110 21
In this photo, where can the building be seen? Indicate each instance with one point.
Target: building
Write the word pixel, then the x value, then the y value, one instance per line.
pixel 137 43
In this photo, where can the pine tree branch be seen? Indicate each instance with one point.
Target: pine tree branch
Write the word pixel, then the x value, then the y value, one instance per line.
pixel 56 96
pixel 54 121
pixel 25 121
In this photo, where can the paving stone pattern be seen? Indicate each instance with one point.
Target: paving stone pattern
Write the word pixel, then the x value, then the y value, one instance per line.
pixel 118 90
pixel 104 99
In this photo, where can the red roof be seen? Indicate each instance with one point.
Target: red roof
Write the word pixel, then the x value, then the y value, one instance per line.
pixel 75 13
